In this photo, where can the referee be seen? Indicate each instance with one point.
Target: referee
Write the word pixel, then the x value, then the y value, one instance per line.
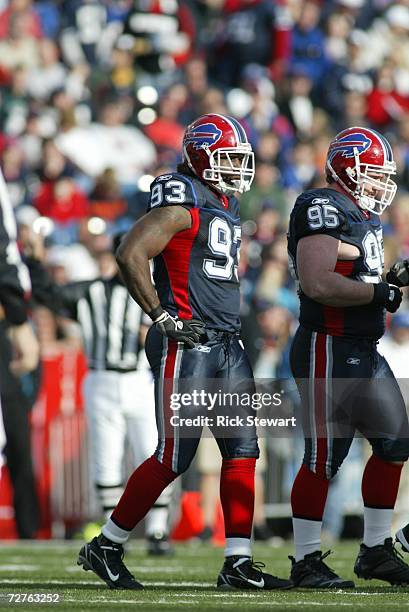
pixel 118 389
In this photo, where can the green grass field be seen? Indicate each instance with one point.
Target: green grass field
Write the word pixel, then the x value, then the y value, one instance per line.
pixel 184 581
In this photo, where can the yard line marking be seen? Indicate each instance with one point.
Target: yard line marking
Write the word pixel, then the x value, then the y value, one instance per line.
pixel 61 582
pixel 22 567
pixel 138 569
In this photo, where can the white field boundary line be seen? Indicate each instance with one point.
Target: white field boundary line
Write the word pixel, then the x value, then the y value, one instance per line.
pixel 182 585
pixel 227 603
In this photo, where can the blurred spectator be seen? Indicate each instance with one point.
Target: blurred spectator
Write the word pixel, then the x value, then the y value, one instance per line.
pixel 15 174
pixel 249 32
pixel 105 199
pixel 384 102
pixel 308 43
pixel 355 109
pixel 196 82
pixel 213 99
pixel 85 29
pixel 165 131
pixel 304 166
pixel 19 48
pixel 338 29
pixel 30 23
pixel 49 75
pixel 163 33
pixel 349 74
pixel 53 163
pixel 62 201
pixel 49 14
pixel 109 144
pixel 265 193
pixel 298 105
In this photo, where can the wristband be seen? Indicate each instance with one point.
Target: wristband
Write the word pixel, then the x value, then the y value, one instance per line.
pixel 380 293
pixel 155 313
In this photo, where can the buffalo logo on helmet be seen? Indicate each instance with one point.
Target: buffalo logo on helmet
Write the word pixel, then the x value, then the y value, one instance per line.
pixel 203 135
pixel 347 145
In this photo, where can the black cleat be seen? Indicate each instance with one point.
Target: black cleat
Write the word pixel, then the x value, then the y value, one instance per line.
pixel 242 573
pixel 158 545
pixel 403 538
pixel 312 573
pixel 382 562
pixel 104 558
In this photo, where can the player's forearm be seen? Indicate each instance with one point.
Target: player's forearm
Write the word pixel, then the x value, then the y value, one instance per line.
pixel 136 273
pixel 333 289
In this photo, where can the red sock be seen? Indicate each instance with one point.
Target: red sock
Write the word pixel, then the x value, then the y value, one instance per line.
pixel 380 483
pixel 308 495
pixel 142 490
pixel 237 496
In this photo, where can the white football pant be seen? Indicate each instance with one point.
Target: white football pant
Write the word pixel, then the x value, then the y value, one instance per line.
pixel 120 408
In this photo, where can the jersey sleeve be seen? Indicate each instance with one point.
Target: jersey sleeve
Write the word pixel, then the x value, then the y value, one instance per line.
pixel 172 190
pixel 319 216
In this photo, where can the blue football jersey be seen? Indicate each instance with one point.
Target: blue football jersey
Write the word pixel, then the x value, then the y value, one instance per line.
pixel 196 274
pixel 326 211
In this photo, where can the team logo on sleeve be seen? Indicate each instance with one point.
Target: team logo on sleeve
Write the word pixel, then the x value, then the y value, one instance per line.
pixel 203 135
pixel 346 146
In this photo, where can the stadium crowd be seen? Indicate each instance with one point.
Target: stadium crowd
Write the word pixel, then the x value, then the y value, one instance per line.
pixel 95 97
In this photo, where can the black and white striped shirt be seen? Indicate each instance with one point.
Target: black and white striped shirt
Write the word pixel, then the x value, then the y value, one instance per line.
pixel 109 318
pixel 110 321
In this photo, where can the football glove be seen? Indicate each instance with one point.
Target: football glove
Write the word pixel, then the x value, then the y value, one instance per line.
pixel 188 331
pixel 388 296
pixel 399 274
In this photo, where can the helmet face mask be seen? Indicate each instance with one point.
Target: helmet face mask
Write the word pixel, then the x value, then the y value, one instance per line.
pixel 361 161
pixel 381 188
pixel 227 176
pixel 216 149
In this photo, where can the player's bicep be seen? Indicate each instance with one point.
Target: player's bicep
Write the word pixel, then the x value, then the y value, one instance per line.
pixel 153 231
pixel 316 255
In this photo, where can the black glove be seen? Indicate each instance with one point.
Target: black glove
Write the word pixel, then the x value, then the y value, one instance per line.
pixel 399 274
pixel 188 331
pixel 388 296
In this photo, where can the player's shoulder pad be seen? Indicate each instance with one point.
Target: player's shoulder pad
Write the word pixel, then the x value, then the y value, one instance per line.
pixel 174 189
pixel 320 211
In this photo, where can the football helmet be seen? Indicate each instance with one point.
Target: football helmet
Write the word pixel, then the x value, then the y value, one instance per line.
pixel 361 161
pixel 216 149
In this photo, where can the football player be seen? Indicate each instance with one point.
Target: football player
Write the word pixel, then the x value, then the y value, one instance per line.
pixel 192 231
pixel 336 251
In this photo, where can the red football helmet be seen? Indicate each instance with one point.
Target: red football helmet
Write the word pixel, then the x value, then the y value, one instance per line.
pixel 211 146
pixel 361 161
